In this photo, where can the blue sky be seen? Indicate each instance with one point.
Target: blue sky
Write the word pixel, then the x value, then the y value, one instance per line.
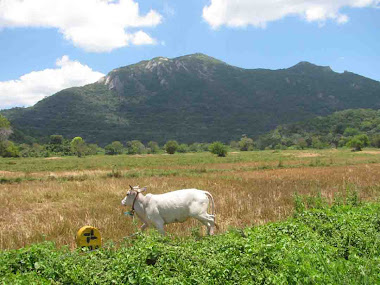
pixel 45 48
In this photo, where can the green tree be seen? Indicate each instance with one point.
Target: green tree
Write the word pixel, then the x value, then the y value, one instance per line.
pixel 358 142
pixel 78 146
pixel 5 128
pixel 8 149
pixel 114 148
pixel 153 147
pixel 349 132
pixel 56 143
pixel 195 147
pixel 183 148
pixel 93 149
pixel 135 147
pixel 171 147
pixel 218 148
pixel 246 143
pixel 375 141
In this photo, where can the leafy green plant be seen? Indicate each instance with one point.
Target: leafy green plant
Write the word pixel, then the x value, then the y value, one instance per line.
pixel 171 147
pixel 218 148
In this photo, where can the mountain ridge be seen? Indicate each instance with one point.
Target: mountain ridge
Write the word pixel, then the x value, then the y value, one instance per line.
pixel 194 98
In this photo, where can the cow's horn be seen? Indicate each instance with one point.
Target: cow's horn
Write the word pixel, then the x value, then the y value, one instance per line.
pixel 131 187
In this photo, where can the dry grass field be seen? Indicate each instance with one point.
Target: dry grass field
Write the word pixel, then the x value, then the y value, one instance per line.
pixel 51 202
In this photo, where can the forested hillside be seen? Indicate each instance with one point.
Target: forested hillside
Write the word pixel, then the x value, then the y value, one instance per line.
pixel 193 98
pixel 335 130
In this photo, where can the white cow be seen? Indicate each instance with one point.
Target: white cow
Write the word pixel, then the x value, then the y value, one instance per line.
pixel 176 206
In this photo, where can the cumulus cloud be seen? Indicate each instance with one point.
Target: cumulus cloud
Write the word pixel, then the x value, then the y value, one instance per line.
pixel 94 25
pixel 241 13
pixel 34 86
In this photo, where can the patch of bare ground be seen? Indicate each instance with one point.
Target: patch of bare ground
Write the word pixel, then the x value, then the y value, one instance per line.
pixel 53 158
pixel 369 151
pixel 307 154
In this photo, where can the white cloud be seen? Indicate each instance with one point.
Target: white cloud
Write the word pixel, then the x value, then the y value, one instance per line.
pixel 94 25
pixel 34 86
pixel 241 13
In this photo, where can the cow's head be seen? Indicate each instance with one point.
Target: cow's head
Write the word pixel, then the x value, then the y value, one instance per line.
pixel 131 194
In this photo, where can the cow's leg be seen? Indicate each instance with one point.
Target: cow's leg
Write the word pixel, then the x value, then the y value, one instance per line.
pixel 208 221
pixel 159 225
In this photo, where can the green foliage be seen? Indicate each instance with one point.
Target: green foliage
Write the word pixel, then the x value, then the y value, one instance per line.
pixel 4 123
pixel 5 129
pixel 245 143
pixel 78 146
pixel 8 149
pixel 171 147
pixel 114 148
pixel 153 147
pixel 349 132
pixel 93 149
pixel 337 245
pixel 58 145
pixel 358 142
pixel 135 147
pixel 183 148
pixel 218 148
pixel 375 140
pixel 335 130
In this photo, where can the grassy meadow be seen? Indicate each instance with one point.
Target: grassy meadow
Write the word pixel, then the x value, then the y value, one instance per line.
pixel 51 198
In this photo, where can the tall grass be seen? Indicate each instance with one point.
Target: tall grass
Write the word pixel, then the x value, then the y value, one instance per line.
pixel 252 190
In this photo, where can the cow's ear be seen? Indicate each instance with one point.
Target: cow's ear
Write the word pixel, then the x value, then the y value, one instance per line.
pixel 131 187
pixel 143 189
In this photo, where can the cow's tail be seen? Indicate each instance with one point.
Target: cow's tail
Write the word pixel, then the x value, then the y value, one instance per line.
pixel 212 206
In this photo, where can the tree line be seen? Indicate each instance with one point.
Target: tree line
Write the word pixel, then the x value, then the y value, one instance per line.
pixel 350 128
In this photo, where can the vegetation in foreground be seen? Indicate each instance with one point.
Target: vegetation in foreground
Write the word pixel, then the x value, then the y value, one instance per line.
pixel 319 245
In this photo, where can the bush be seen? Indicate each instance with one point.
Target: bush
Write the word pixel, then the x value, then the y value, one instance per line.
pixel 219 149
pixel 8 149
pixel 114 148
pixel 375 141
pixel 153 147
pixel 171 147
pixel 246 143
pixel 183 148
pixel 78 146
pixel 358 142
pixel 135 147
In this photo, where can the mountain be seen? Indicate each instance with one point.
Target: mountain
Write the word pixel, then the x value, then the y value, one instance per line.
pixel 193 98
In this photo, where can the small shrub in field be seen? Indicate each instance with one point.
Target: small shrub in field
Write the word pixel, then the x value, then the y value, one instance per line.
pixel 171 147
pixel 153 147
pixel 358 142
pixel 218 148
pixel 78 146
pixel 8 149
pixel 114 148
pixel 246 143
pixel 183 148
pixel 135 147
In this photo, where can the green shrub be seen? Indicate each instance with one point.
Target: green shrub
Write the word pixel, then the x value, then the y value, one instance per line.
pixel 171 147
pixel 78 146
pixel 245 143
pixel 219 149
pixel 135 147
pixel 114 148
pixel 183 148
pixel 8 149
pixel 358 142
pixel 153 147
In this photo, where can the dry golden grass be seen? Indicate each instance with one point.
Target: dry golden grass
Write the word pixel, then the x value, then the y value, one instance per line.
pixel 54 209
